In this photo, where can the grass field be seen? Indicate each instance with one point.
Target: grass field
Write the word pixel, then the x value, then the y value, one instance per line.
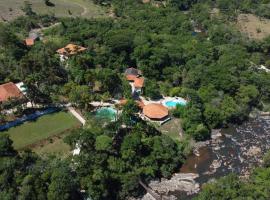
pixel 172 129
pixel 34 132
pixel 10 9
pixel 56 147
pixel 253 26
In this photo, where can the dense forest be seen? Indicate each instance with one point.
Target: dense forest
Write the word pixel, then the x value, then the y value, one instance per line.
pixel 110 165
pixel 214 68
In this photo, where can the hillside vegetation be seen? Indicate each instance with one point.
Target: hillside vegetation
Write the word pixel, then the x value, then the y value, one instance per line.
pixel 196 55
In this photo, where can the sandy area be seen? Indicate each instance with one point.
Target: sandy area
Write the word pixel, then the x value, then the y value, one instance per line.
pixel 253 26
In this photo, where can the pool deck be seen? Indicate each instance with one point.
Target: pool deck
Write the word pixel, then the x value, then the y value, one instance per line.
pixel 162 100
pixel 166 99
pixel 145 101
pixel 103 104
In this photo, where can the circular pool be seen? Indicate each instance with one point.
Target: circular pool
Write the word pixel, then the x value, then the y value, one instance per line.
pixel 107 113
pixel 174 102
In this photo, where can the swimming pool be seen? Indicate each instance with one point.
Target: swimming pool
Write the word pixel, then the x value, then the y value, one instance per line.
pixel 107 113
pixel 173 103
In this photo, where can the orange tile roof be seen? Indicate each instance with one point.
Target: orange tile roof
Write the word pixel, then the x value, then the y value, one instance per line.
pixel 122 101
pixel 139 103
pixel 71 49
pixel 155 111
pixel 29 42
pixel 131 77
pixel 139 82
pixel 9 90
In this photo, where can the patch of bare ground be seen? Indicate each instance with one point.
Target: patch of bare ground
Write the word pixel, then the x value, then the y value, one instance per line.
pixel 253 27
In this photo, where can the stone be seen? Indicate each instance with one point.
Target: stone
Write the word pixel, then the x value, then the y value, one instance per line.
pixel 183 182
pixel 253 151
pixel 215 134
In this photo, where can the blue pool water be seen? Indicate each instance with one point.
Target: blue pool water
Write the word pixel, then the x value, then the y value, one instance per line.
pixel 174 103
pixel 106 113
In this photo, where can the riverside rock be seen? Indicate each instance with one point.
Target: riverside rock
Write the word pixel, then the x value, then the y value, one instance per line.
pixel 184 182
pixel 253 151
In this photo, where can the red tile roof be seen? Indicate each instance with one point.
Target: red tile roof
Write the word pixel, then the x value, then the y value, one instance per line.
pixel 29 42
pixel 139 82
pixel 9 90
pixel 122 101
pixel 71 49
pixel 131 77
pixel 155 111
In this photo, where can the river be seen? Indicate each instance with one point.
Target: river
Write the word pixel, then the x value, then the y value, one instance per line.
pixel 239 149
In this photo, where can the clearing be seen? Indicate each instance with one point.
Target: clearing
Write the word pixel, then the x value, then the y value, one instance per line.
pixel 253 26
pixel 172 129
pixel 35 133
pixel 10 9
pixel 55 146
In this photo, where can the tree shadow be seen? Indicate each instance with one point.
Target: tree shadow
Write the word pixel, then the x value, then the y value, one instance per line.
pixel 49 3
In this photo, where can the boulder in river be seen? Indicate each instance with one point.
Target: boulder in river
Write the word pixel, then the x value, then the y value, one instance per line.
pixel 216 133
pixel 253 151
pixel 184 182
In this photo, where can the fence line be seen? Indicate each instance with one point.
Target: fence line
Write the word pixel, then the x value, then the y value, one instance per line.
pixel 30 117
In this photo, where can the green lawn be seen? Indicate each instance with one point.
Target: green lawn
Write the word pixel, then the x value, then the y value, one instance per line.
pixel 56 147
pixel 10 9
pixel 44 127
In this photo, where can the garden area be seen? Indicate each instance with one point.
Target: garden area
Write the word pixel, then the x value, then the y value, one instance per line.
pixel 36 132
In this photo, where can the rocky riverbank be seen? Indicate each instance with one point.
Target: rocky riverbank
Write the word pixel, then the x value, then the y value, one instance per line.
pixel 236 149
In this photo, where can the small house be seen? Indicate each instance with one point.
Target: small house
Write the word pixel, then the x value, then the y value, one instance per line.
pixel 9 91
pixel 30 41
pixel 156 112
pixel 133 75
pixel 69 50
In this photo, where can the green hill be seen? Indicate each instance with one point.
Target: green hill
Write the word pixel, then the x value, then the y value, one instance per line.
pixel 61 8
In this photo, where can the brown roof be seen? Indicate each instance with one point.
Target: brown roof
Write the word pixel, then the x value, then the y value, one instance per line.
pixel 139 103
pixel 122 101
pixel 131 77
pixel 139 82
pixel 71 49
pixel 29 42
pixel 9 90
pixel 155 111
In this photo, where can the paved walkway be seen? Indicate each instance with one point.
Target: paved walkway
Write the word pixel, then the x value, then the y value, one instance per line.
pixel 76 114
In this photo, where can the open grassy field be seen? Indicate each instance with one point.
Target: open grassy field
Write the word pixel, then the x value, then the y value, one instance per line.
pixel 44 127
pixel 55 146
pixel 10 9
pixel 253 26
